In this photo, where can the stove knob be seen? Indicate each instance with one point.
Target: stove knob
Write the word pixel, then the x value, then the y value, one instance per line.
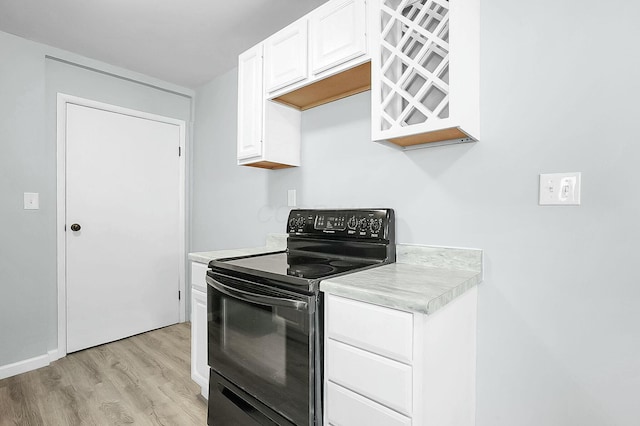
pixel 375 225
pixel 362 224
pixel 352 222
pixel 300 222
pixel 292 222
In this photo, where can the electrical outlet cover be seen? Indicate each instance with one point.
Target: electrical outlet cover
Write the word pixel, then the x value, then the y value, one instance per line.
pixel 291 198
pixel 560 189
pixel 31 201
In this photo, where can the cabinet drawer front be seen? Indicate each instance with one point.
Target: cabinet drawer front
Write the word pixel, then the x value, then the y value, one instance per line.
pixel 199 275
pixel 385 331
pixel 346 408
pixel 381 379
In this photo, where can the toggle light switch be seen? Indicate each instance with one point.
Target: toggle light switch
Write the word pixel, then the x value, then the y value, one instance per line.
pixel 560 189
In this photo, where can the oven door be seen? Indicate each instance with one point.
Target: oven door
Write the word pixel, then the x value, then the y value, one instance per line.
pixel 262 340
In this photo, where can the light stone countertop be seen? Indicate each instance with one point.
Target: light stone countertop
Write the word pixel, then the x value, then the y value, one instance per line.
pixel 423 279
pixel 275 242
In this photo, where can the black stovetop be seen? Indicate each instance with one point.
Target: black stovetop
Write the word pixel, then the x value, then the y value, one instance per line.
pixel 308 267
pixel 321 244
pixel 296 272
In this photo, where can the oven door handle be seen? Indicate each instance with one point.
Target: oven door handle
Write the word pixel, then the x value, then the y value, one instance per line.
pixel 261 299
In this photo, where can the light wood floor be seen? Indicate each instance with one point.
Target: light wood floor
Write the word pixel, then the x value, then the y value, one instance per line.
pixel 142 380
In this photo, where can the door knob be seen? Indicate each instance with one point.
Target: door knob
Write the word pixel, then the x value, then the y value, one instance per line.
pixel 76 227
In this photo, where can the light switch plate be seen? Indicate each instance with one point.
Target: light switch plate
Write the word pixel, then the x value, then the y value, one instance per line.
pixel 560 189
pixel 31 201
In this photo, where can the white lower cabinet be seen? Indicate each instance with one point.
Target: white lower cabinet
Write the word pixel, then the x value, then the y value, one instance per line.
pixel 373 376
pixel 389 367
pixel 384 331
pixel 345 407
pixel 199 365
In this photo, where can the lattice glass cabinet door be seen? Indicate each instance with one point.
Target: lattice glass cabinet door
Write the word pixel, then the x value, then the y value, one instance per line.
pixel 425 72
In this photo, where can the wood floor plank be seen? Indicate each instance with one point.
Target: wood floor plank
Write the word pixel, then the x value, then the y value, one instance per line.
pixel 22 403
pixel 142 380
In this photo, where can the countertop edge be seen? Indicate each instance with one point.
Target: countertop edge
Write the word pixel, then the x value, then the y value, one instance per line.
pixel 396 300
pixel 444 299
pixel 274 242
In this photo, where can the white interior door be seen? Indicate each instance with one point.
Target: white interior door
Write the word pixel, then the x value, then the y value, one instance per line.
pixel 123 190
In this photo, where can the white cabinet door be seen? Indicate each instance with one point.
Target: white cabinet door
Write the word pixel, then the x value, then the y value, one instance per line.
pixel 425 70
pixel 268 133
pixel 199 276
pixel 285 56
pixel 199 366
pixel 250 103
pixel 337 31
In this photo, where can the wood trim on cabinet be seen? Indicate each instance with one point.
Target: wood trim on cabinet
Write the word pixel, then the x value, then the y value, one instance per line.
pixel 451 133
pixel 268 165
pixel 337 86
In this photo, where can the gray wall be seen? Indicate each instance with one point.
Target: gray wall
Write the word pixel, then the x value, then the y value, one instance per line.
pixel 29 82
pixel 229 206
pixel 27 239
pixel 558 334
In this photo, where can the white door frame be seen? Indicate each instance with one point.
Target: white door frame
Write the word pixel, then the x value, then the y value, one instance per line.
pixel 62 101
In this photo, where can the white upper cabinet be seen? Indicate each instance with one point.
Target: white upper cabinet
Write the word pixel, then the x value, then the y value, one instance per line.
pixel 425 72
pixel 337 33
pixel 285 55
pixel 274 84
pixel 250 100
pixel 420 58
pixel 268 132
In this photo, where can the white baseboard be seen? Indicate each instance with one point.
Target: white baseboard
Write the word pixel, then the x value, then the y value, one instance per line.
pixel 25 365
pixel 54 355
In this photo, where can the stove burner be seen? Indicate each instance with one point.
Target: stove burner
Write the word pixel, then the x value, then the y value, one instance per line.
pixel 310 269
pixel 341 263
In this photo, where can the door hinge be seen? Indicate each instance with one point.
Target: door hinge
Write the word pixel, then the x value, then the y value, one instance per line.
pixel 179 295
pixel 179 151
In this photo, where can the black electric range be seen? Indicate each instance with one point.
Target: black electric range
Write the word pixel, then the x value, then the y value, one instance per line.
pixel 265 315
pixel 321 244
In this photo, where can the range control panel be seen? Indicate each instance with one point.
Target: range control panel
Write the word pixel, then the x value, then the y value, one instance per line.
pixel 353 223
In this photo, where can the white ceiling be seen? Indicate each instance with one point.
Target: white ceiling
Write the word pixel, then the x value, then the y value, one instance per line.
pixel 186 42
